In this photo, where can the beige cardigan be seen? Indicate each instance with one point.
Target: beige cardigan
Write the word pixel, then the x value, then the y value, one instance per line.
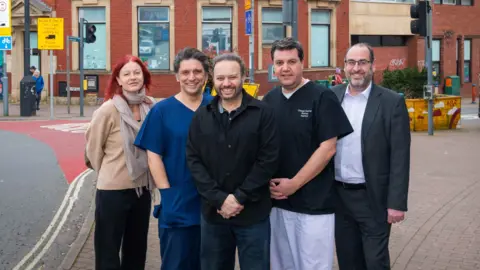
pixel 104 149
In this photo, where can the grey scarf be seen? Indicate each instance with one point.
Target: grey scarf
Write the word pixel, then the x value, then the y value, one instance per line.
pixel 136 159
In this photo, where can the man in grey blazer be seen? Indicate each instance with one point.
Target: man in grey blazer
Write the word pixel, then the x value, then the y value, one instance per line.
pixel 372 165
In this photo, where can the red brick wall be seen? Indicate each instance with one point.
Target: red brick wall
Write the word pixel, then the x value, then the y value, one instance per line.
pixel 343 31
pixel 463 21
pixel 389 57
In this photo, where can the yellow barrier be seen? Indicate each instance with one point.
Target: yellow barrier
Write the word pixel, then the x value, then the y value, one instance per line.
pixel 446 112
pixel 250 88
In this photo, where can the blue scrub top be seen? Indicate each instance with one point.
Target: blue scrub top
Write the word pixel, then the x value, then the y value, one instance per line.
pixel 165 132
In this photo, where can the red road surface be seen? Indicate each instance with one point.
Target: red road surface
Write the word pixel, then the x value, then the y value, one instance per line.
pixel 68 147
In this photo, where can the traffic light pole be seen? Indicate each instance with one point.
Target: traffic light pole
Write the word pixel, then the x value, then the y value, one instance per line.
pixel 428 58
pixel 80 62
pixel 251 47
pixel 295 19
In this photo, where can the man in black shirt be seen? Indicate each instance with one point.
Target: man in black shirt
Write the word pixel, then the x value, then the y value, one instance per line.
pixel 310 121
pixel 232 152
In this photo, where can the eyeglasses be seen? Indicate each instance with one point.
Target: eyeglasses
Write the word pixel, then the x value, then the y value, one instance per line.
pixel 361 62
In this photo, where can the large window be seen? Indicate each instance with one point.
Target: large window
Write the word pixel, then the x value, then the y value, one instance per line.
pixel 95 54
pixel 454 2
pixel 436 56
pixel 389 1
pixel 272 25
pixel 154 36
pixel 380 41
pixel 217 29
pixel 467 54
pixel 35 59
pixel 320 38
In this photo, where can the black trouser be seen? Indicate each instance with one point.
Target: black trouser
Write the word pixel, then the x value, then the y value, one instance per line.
pixel 39 96
pixel 121 219
pixel 361 239
pixel 218 244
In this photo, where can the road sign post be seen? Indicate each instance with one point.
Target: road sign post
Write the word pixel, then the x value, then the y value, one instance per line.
pixel 50 37
pixel 249 31
pixel 6 44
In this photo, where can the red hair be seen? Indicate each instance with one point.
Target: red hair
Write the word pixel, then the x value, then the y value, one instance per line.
pixel 113 88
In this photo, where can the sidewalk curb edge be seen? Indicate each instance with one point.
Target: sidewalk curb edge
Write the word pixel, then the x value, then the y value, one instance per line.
pixel 79 242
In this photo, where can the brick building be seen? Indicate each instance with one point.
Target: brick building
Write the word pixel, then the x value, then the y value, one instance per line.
pixel 156 29
pixel 385 24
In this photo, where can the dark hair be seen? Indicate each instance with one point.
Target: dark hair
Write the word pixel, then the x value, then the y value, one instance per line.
pixel 287 44
pixel 364 45
pixel 191 53
pixel 114 88
pixel 230 57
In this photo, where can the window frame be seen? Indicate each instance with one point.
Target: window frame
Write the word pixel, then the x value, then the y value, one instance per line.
pixel 467 79
pixel 270 23
pixel 167 22
pixel 203 22
pixel 456 3
pixel 106 38
pixel 381 40
pixel 329 27
pixel 439 62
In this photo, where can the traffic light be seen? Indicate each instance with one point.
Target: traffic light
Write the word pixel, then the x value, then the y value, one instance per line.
pixel 90 33
pixel 419 12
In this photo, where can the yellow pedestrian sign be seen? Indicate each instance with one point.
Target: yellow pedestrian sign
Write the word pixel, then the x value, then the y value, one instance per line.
pixel 50 33
pixel 5 18
pixel 248 4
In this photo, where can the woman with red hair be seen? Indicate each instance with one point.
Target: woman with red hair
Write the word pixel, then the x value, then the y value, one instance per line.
pixel 124 185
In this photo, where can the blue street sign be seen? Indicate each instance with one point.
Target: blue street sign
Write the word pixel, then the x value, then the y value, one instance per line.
pixel 74 39
pixel 6 43
pixel 248 22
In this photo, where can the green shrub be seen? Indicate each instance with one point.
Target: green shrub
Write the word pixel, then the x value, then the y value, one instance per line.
pixel 409 81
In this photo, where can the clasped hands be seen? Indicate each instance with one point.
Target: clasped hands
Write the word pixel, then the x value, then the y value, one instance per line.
pixel 281 188
pixel 230 208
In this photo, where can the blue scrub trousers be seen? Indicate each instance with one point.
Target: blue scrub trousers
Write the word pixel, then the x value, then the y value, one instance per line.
pixel 180 248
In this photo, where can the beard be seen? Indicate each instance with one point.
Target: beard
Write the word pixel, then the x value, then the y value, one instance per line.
pixel 237 91
pixel 362 82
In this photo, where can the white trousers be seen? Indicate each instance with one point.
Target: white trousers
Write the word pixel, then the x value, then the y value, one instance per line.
pixel 301 241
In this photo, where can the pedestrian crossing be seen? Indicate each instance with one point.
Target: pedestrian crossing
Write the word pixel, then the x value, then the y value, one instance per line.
pixel 69 127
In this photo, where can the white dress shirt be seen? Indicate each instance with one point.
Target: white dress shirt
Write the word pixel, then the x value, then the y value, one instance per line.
pixel 348 159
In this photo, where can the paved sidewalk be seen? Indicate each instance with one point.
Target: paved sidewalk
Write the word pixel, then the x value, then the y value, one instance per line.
pixel 60 112
pixel 442 228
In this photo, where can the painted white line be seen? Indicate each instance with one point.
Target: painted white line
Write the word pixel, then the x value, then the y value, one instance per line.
pixel 64 219
pixel 52 223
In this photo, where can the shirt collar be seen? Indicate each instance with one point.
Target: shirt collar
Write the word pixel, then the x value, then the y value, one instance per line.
pixel 365 93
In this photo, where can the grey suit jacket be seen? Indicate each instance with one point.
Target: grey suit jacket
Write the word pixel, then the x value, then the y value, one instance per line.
pixel 385 149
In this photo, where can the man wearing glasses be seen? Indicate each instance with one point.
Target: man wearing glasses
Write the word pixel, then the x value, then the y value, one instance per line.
pixel 372 165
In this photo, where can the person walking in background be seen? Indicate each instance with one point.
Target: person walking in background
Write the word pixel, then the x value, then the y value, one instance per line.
pixel 310 121
pixel 232 152
pixel 372 165
pixel 164 136
pixel 338 77
pixel 39 85
pixel 124 184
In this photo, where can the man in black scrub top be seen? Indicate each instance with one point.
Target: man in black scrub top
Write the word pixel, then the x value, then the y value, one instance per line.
pixel 310 121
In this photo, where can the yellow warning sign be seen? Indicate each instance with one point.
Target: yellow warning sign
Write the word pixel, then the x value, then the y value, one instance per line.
pixel 250 88
pixel 248 4
pixel 50 33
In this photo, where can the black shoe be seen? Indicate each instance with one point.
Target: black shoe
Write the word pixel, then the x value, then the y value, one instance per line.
pixel 38 109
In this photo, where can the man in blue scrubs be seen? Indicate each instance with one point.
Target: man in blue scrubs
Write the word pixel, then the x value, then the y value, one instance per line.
pixel 164 136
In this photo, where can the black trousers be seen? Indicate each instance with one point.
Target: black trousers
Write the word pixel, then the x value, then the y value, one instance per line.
pixel 121 220
pixel 219 241
pixel 361 239
pixel 39 96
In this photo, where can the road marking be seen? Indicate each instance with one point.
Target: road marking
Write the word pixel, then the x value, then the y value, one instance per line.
pixel 70 127
pixel 75 188
pixel 469 116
